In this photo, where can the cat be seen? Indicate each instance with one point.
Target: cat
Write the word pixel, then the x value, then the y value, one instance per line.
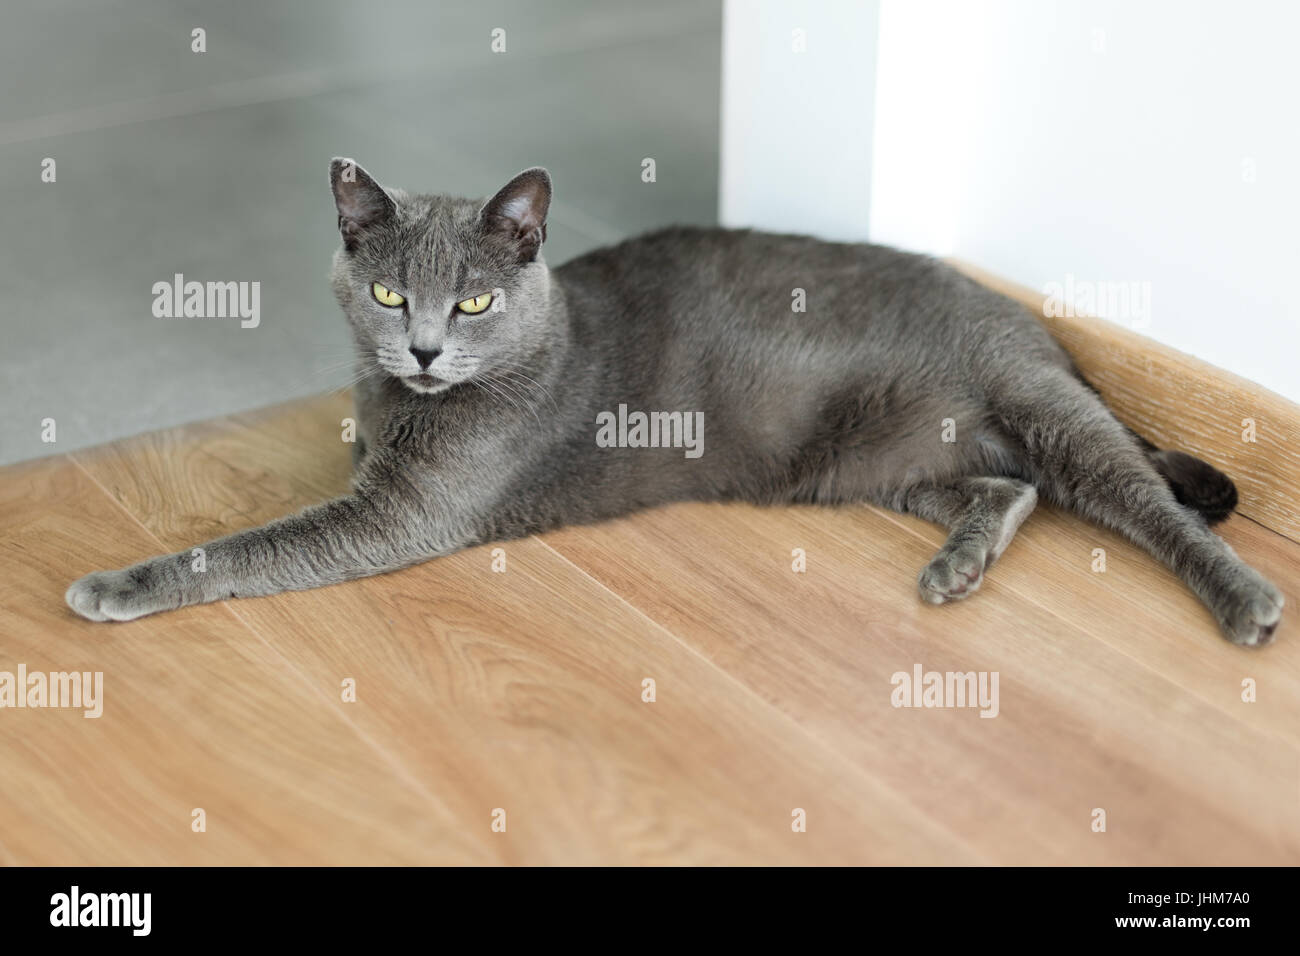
pixel 483 374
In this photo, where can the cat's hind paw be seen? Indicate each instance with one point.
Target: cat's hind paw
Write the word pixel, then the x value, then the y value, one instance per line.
pixel 1250 611
pixel 952 575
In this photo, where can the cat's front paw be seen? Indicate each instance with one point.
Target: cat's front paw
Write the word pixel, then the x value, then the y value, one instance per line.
pixel 1249 610
pixel 116 595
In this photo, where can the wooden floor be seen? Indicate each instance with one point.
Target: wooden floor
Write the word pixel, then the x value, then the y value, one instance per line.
pixel 522 690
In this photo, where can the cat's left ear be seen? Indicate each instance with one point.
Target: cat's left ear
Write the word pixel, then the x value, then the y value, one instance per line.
pixel 517 214
pixel 362 203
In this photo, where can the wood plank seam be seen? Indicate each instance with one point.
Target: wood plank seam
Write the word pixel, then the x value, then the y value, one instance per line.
pixel 1259 524
pixel 824 745
pixel 393 760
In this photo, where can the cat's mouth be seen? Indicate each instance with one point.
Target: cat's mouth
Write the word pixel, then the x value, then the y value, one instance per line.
pixel 424 382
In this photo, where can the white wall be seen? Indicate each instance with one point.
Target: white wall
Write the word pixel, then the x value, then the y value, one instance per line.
pixel 797 115
pixel 1151 146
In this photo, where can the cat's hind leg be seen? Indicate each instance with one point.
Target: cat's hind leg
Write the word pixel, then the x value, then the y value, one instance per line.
pixel 983 515
pixel 1083 459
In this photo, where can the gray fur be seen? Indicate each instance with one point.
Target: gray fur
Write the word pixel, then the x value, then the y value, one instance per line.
pixel 843 403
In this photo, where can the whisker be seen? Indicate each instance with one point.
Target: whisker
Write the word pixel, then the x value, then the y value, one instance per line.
pixel 365 374
pixel 521 400
pixel 491 387
pixel 528 384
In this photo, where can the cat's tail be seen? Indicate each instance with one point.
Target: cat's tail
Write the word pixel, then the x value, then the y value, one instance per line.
pixel 1195 483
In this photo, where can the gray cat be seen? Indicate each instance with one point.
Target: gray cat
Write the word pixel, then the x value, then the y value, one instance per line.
pixel 499 398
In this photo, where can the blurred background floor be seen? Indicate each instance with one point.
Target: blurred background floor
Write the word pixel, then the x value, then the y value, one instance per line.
pixel 214 165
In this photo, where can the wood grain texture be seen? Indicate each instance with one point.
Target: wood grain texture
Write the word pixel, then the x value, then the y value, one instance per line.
pixel 1181 402
pixel 521 690
pixel 198 712
pixel 1083 723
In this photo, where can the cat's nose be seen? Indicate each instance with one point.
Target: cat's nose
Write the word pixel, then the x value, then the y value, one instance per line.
pixel 425 357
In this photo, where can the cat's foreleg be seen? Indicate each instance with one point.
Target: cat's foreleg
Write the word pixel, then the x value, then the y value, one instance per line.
pixel 983 514
pixel 350 537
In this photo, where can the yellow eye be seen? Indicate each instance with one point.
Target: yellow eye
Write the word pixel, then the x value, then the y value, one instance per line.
pixel 386 296
pixel 475 305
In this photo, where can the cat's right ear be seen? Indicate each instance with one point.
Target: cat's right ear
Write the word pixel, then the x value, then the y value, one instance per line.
pixel 362 203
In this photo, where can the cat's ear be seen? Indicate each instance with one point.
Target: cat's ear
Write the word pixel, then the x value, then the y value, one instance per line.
pixel 362 203
pixel 517 214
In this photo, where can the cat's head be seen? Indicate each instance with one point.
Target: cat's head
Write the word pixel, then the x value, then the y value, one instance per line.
pixel 440 290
